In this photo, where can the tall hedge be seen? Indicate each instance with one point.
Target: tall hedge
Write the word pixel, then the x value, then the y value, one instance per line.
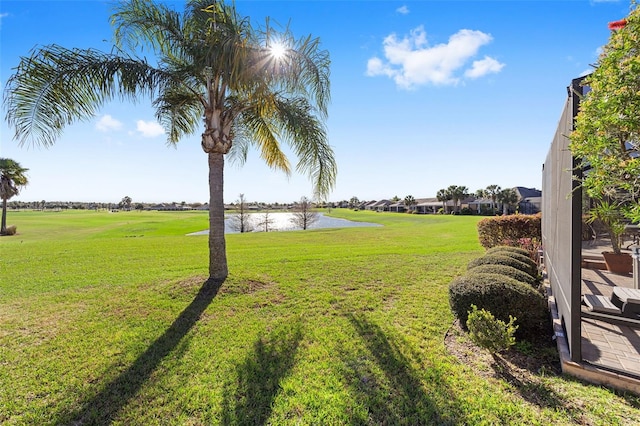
pixel 508 230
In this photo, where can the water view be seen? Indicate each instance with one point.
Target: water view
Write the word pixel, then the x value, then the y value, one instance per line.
pixel 282 222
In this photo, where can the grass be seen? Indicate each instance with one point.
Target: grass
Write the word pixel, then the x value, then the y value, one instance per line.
pixel 104 319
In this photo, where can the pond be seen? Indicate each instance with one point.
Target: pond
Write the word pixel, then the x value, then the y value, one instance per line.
pixel 282 222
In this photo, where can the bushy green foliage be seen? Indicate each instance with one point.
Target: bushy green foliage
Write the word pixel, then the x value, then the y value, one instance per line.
pixel 490 333
pixel 510 249
pixel 607 128
pixel 500 259
pixel 508 271
pixel 533 266
pixel 501 230
pixel 503 297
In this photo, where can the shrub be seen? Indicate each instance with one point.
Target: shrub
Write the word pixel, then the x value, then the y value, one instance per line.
pixel 499 259
pixel 501 230
pixel 503 297
pixel 11 230
pixel 510 249
pixel 490 333
pixel 508 271
pixel 466 211
pixel 521 257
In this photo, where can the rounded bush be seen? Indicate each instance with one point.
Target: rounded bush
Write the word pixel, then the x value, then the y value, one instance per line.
pixel 11 230
pixel 503 297
pixel 522 258
pixel 499 259
pixel 509 249
pixel 507 270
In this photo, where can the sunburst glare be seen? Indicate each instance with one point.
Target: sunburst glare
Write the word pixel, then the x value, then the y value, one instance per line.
pixel 278 50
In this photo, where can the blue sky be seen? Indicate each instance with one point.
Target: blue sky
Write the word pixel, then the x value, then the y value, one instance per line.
pixel 425 94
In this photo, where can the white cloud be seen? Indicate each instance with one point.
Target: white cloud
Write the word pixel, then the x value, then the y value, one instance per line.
pixel 412 62
pixel 483 67
pixel 107 123
pixel 149 129
pixel 403 10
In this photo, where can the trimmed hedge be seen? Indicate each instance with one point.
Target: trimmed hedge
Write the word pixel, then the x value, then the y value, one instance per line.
pixel 508 271
pixel 522 258
pixel 502 296
pixel 508 249
pixel 499 259
pixel 501 230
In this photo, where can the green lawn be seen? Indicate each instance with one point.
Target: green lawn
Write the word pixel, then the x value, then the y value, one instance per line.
pixel 103 319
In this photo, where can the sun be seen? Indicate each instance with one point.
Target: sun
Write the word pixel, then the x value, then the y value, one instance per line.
pixel 278 50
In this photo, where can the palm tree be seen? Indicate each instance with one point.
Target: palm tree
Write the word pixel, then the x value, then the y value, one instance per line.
pixel 492 192
pixel 457 193
pixel 12 178
pixel 443 196
pixel 409 202
pixel 252 88
pixel 507 197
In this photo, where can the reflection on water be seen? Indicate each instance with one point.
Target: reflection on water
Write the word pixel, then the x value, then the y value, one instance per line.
pixel 282 222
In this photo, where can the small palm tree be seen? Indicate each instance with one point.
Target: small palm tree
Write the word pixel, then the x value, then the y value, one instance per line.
pixel 409 202
pixel 457 193
pixel 507 197
pixel 12 178
pixel 251 88
pixel 492 192
pixel 443 196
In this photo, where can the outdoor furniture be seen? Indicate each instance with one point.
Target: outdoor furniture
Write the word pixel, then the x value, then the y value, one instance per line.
pixel 597 303
pixel 627 300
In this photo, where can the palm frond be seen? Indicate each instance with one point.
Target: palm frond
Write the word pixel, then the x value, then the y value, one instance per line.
pixel 259 131
pixel 307 136
pixel 143 22
pixel 56 86
pixel 304 68
pixel 179 111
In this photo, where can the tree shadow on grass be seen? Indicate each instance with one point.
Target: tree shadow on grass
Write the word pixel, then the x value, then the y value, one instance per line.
pixel 259 377
pixel 104 407
pixel 395 397
pixel 529 385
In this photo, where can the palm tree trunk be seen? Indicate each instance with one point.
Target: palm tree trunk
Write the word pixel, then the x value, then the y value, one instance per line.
pixel 218 269
pixel 3 225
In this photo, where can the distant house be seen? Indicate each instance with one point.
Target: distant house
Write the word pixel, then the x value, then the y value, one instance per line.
pixel 397 207
pixel 432 205
pixel 478 205
pixel 159 207
pixel 529 200
pixel 379 206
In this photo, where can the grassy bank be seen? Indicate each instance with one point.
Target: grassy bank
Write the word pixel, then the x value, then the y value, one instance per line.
pixel 103 319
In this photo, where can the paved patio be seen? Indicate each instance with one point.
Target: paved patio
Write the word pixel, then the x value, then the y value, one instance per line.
pixel 612 350
pixel 608 345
